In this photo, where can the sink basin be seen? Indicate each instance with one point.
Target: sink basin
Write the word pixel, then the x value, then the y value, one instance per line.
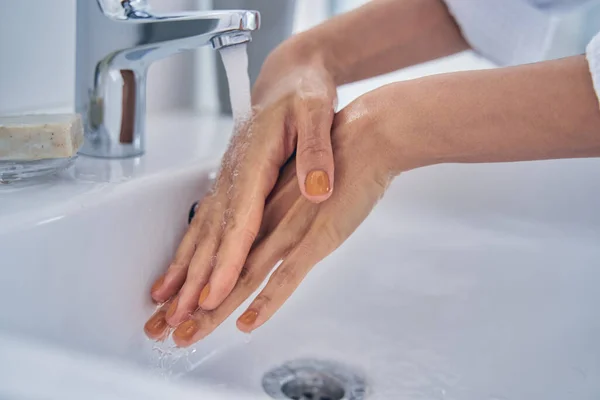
pixel 465 283
pixel 80 250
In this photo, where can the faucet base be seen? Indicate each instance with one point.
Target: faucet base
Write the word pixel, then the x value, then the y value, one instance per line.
pixel 118 152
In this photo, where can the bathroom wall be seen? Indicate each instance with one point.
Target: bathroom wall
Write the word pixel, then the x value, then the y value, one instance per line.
pixel 37 58
pixel 37 61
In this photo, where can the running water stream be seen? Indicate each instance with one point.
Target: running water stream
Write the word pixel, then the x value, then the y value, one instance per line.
pixel 235 60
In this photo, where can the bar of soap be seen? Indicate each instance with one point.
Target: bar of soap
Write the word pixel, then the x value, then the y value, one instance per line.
pixel 40 136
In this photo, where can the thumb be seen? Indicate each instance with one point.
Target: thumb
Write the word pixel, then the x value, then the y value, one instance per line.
pixel 314 156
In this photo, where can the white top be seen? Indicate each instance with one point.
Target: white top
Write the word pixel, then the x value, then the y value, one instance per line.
pixel 511 32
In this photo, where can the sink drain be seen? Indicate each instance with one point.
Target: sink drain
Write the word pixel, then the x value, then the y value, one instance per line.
pixel 313 380
pixel 313 386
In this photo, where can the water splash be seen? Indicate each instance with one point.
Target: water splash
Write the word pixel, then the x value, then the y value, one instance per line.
pixel 166 357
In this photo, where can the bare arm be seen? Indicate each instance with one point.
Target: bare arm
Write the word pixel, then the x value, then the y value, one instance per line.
pixel 531 112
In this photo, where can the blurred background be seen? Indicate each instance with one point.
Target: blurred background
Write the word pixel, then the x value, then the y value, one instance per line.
pixel 37 51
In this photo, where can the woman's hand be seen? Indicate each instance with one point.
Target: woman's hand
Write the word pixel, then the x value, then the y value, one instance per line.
pixel 293 108
pixel 299 232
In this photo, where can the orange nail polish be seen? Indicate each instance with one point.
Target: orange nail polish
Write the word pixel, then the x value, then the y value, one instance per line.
pixel 204 294
pixel 156 325
pixel 317 183
pixel 186 330
pixel 249 317
pixel 157 284
pixel 172 308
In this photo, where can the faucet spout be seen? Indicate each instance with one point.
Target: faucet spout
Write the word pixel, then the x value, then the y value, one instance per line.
pixel 230 39
pixel 117 40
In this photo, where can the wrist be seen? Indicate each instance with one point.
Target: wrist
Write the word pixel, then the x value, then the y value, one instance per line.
pixel 302 50
pixel 296 65
pixel 398 120
pixel 314 48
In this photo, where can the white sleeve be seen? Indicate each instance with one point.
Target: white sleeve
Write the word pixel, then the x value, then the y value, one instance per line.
pixel 512 32
pixel 507 32
pixel 593 57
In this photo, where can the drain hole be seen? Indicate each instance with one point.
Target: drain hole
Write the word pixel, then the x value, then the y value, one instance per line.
pixel 314 380
pixel 313 386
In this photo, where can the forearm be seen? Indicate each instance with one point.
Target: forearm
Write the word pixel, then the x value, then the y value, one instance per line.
pixel 380 37
pixel 539 111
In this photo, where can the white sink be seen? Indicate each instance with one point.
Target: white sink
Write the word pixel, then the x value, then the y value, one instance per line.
pixel 466 283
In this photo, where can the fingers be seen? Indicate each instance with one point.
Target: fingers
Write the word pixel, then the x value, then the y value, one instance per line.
pixel 167 285
pixel 313 121
pixel 290 227
pixel 284 194
pixel 198 273
pixel 326 232
pixel 241 228
pixel 156 327
pixel 224 227
pixel 253 180
pixel 208 231
pixel 259 264
pixel 284 281
pixel 207 267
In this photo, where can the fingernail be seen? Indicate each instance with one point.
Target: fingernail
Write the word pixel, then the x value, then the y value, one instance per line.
pixel 249 317
pixel 172 308
pixel 204 294
pixel 186 330
pixel 157 284
pixel 156 325
pixel 317 183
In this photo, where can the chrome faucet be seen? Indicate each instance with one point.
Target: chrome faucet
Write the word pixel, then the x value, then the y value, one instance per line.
pixel 117 40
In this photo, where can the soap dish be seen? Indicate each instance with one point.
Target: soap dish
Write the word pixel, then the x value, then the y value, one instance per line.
pixel 15 170
pixel 38 145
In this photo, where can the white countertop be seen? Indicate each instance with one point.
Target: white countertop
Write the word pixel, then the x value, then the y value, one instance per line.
pixel 175 141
